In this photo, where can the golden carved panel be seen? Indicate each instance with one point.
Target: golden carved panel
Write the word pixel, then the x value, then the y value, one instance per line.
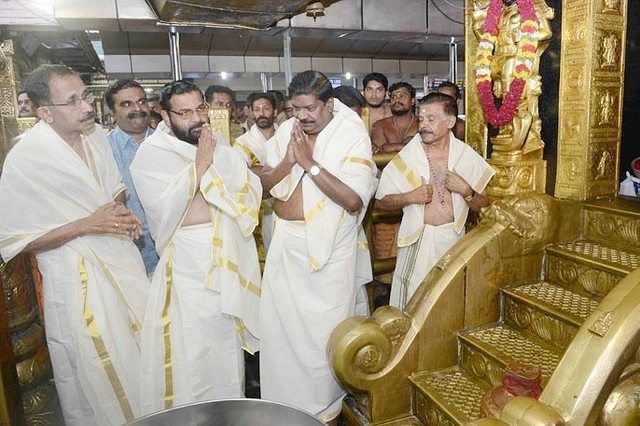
pixel 517 178
pixel 610 7
pixel 609 44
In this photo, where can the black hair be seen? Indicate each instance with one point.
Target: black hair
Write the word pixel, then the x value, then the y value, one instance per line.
pixel 311 83
pixel 38 81
pixel 177 87
pixel 398 85
pixel 117 86
pixel 449 104
pixel 216 88
pixel 261 95
pixel 456 89
pixel 278 96
pixel 350 96
pixel 375 76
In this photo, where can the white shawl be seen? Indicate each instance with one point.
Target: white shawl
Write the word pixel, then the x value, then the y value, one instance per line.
pixel 343 148
pixel 403 173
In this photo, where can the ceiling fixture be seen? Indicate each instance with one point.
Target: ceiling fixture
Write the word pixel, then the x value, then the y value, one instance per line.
pixel 315 9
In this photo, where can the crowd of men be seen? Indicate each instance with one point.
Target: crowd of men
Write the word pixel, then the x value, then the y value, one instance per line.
pixel 153 290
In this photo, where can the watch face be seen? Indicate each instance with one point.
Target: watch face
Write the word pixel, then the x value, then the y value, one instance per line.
pixel 314 171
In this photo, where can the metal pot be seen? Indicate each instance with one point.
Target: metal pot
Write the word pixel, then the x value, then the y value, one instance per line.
pixel 230 412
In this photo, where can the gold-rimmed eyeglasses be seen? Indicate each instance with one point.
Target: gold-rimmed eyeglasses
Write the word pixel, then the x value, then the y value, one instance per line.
pixel 185 113
pixel 75 103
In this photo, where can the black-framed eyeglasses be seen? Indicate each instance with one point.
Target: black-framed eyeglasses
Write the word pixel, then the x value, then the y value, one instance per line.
pixel 75 103
pixel 185 113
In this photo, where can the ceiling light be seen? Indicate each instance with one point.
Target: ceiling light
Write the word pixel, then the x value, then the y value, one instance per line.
pixel 223 74
pixel 315 9
pixel 348 76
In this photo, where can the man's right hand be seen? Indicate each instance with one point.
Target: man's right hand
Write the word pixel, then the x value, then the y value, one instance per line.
pixel 113 218
pixel 422 194
pixel 204 153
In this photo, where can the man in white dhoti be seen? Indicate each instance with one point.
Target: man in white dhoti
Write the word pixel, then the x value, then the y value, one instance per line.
pixel 62 197
pixel 252 147
pixel 322 179
pixel 435 180
pixel 201 202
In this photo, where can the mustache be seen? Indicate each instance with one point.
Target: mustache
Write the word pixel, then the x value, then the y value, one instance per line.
pixel 307 121
pixel 197 126
pixel 88 116
pixel 137 114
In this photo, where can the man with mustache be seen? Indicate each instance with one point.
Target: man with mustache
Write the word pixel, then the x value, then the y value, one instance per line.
pixel 392 133
pixel 252 147
pixel 202 205
pixel 127 101
pixel 435 180
pixel 61 196
pixel 25 109
pixel 322 176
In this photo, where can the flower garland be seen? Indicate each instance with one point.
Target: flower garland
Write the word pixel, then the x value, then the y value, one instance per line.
pixel 529 26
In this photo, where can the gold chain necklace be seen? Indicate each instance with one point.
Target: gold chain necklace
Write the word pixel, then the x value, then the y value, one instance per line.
pixel 436 184
pixel 395 125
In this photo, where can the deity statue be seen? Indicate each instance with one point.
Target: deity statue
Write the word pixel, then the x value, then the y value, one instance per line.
pixel 522 134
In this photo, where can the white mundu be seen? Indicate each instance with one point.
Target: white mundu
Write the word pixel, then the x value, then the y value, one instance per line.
pixel 203 307
pixel 95 286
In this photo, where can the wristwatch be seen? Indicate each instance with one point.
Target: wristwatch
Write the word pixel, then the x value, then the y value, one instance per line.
pixel 315 170
pixel 470 196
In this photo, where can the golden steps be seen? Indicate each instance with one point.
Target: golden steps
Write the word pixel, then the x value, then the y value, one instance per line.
pixel 550 312
pixel 447 397
pixel 486 350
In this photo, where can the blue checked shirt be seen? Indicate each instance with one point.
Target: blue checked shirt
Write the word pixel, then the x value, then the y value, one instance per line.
pixel 124 148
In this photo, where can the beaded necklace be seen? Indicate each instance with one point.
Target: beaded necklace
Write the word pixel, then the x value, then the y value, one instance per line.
pixel 436 184
pixel 404 135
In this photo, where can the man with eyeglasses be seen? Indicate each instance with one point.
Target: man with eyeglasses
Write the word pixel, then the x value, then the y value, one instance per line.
pixel 435 180
pixel 202 205
pixel 61 196
pixel 127 101
pixel 391 134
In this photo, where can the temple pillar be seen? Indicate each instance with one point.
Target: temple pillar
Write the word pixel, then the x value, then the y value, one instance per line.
pixel 590 99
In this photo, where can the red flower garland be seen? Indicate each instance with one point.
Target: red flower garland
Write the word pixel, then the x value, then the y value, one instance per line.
pixel 525 56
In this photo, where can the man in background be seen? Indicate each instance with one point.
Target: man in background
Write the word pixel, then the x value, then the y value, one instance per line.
pixel 288 107
pixel 127 101
pixel 351 97
pixel 61 197
pixel 154 103
pixel 375 87
pixel 391 134
pixel 218 96
pixel 453 90
pixel 25 109
pixel 252 146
